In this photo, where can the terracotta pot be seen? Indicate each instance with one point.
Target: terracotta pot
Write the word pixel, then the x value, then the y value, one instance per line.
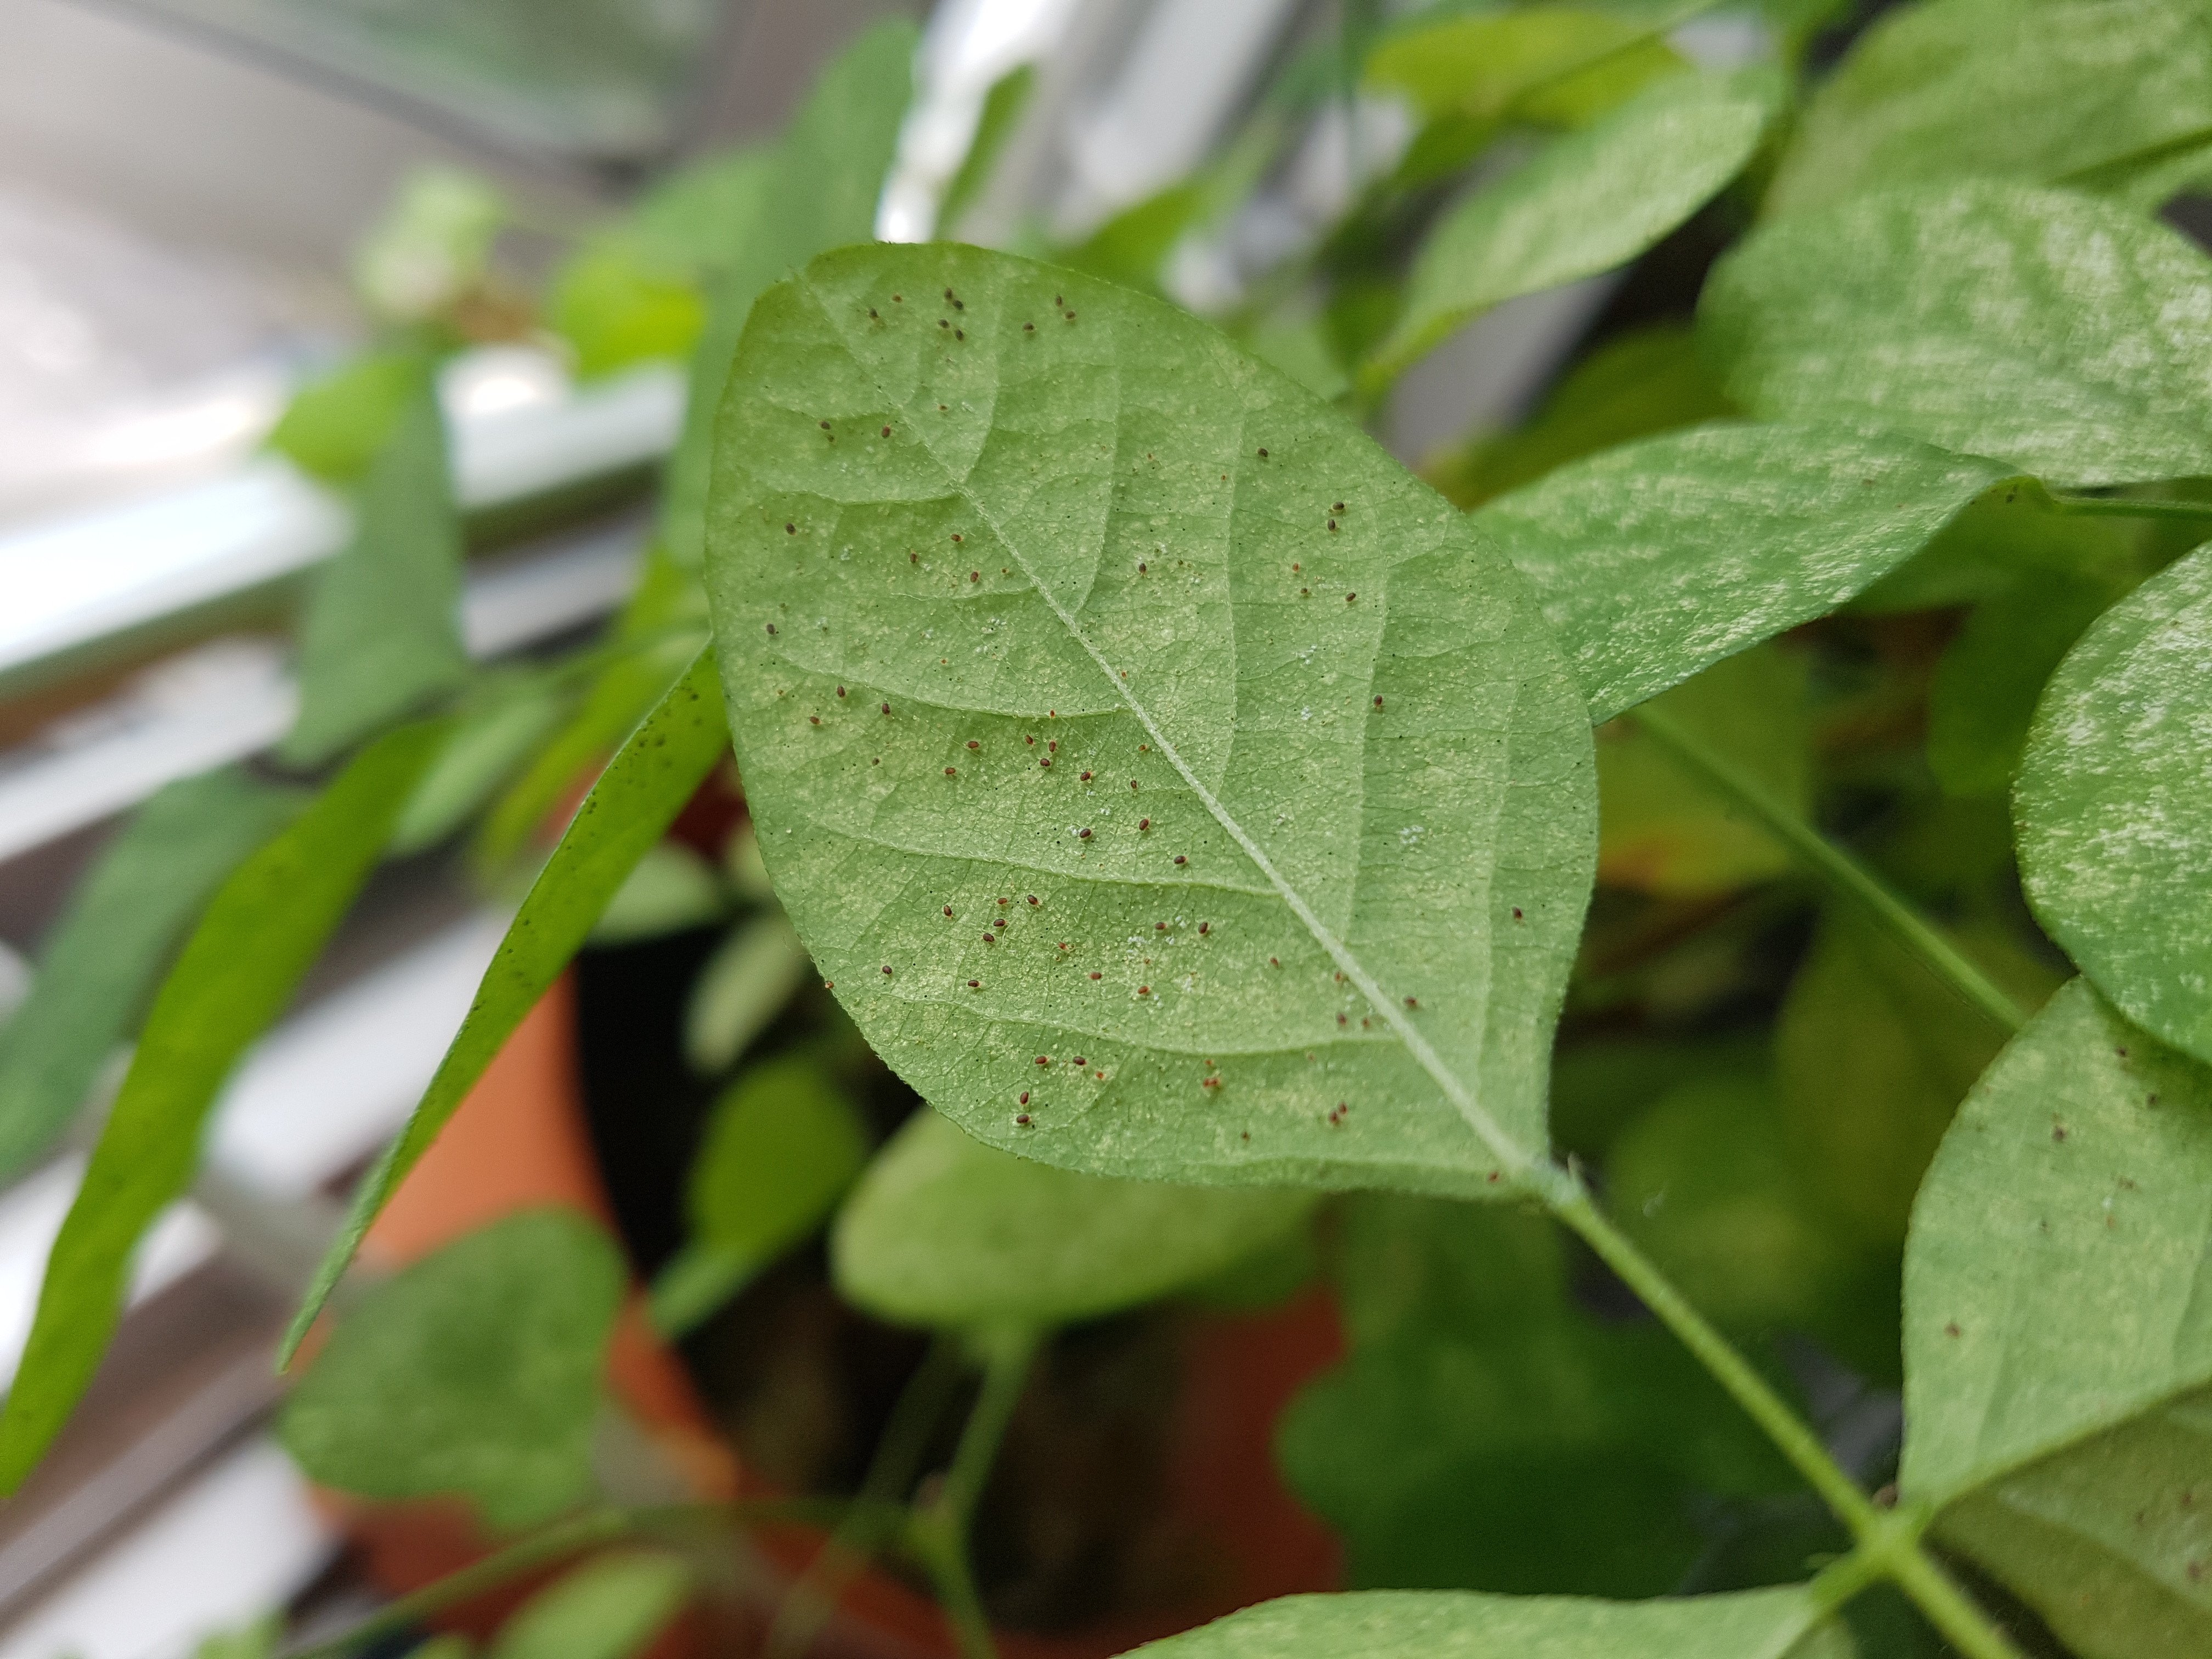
pixel 519 1140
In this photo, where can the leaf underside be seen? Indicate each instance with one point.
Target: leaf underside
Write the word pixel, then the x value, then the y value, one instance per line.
pixel 1289 827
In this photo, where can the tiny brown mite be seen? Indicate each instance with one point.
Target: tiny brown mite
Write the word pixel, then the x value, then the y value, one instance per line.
pixel 1024 1100
pixel 1033 898
pixel 771 627
pixel 1263 454
pixel 1143 824
pixel 1086 777
pixel 824 425
pixel 974 575
pixel 791 530
pixel 1083 834
pixel 814 719
pixel 1096 976
pixel 1180 859
pixel 1144 990
pixel 950 773
pixel 948 909
pixel 1205 926
pixel 841 690
pixel 828 984
pixel 1349 598
pixel 887 709
pixel 887 432
pixel 1021 1118
pixel 974 984
pixel 887 970
pixel 1339 508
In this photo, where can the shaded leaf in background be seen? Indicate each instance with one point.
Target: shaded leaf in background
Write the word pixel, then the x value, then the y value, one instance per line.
pixel 1647 381
pixel 2006 537
pixel 1587 203
pixel 671 888
pixel 1773 1624
pixel 1302 349
pixel 1488 1433
pixel 475 1371
pixel 2050 331
pixel 1663 830
pixel 2114 806
pixel 944 1230
pixel 742 988
pixel 109 946
pixel 2028 89
pixel 702 218
pixel 1872 1054
pixel 2056 1335
pixel 1321 833
pixel 1657 558
pixel 828 173
pixel 432 246
pixel 487 744
pixel 780 1148
pixel 610 1607
pixel 1993 673
pixel 618 306
pixel 335 427
pixel 255 941
pixel 633 802
pixel 382 634
pixel 1003 107
pixel 1129 247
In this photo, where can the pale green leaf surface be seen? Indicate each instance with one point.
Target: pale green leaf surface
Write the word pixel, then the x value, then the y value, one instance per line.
pixel 608 1608
pixel 2114 804
pixel 2066 336
pixel 1992 674
pixel 1480 63
pixel 780 1148
pixel 671 888
pixel 1588 202
pixel 109 949
pixel 2027 89
pixel 254 943
pixel 828 174
pixel 634 801
pixel 474 1372
pixel 383 630
pixel 1309 914
pixel 1659 557
pixel 944 1230
pixel 743 985
pixel 334 425
pixel 703 215
pixel 618 305
pixel 487 745
pixel 1769 1624
pixel 2052 1279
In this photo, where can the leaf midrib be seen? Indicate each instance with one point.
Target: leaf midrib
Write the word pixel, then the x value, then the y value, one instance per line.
pixel 1515 1158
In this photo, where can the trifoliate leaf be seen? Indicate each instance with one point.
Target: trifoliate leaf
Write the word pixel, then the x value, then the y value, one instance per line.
pixel 2060 334
pixel 1040 604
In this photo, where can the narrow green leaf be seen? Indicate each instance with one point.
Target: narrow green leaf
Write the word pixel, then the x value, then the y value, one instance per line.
pixel 383 629
pixel 636 798
pixel 2045 329
pixel 608 1608
pixel 1003 107
pixel 1992 674
pixel 1773 1624
pixel 741 989
pixel 781 1147
pixel 2055 1329
pixel 944 1230
pixel 618 305
pixel 1331 853
pixel 829 173
pixel 669 890
pixel 2027 89
pixel 487 745
pixel 703 216
pixel 475 1371
pixel 335 427
pixel 2114 806
pixel 111 944
pixel 1659 557
pixel 1587 203
pixel 1481 64
pixel 257 938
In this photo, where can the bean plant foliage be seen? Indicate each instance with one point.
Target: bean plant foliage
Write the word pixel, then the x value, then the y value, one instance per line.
pixel 1686 915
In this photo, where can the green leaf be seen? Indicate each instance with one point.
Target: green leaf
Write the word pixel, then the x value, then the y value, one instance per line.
pixel 487 744
pixel 2032 90
pixel 1773 1624
pixel 670 888
pixel 618 306
pixel 944 1230
pixel 1991 675
pixel 2037 327
pixel 2056 1330
pixel 383 630
pixel 1587 203
pixel 1129 247
pixel 475 1371
pixel 1646 381
pixel 608 1608
pixel 2114 806
pixel 741 989
pixel 335 427
pixel 702 217
pixel 433 245
pixel 112 943
pixel 1337 832
pixel 2008 536
pixel 781 1146
pixel 1660 557
pixel 636 800
pixel 1489 1433
pixel 829 172
pixel 1003 107
pixel 1665 831
pixel 254 943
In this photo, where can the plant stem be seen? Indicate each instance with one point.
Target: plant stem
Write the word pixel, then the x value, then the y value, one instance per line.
pixel 1835 866
pixel 938 1530
pixel 1948 1608
pixel 2122 507
pixel 571 1536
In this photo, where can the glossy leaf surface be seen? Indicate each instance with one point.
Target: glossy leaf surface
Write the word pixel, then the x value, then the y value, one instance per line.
pixel 475 1371
pixel 1285 827
pixel 2114 804
pixel 257 938
pixel 109 948
pixel 640 794
pixel 1587 203
pixel 2060 334
pixel 1659 557
pixel 944 1230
